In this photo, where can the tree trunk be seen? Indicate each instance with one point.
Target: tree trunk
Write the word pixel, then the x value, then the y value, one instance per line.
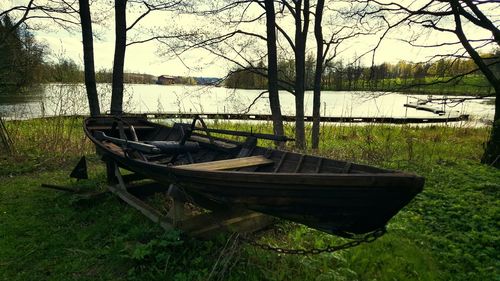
pixel 272 69
pixel 301 27
pixel 318 34
pixel 88 57
pixel 492 151
pixel 119 58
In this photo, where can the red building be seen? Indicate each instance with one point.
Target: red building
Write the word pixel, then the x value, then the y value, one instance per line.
pixel 165 80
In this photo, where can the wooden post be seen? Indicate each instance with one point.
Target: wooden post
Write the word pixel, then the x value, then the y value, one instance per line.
pixel 110 172
pixel 6 142
pixel 176 213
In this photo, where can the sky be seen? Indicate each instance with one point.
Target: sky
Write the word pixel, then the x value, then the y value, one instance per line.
pixel 141 58
pixel 145 58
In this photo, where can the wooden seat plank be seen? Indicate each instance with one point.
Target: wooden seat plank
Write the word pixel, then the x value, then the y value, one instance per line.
pixel 229 163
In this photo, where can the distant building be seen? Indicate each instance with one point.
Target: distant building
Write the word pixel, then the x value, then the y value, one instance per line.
pixel 166 80
pixel 187 80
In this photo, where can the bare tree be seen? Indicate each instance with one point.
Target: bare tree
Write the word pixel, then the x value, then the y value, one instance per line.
pixel 318 73
pixel 468 21
pixel 88 57
pixel 326 51
pixel 300 11
pixel 121 30
pixel 272 68
pixel 119 57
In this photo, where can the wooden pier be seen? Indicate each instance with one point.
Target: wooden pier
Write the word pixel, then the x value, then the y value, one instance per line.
pixel 325 119
pixel 423 107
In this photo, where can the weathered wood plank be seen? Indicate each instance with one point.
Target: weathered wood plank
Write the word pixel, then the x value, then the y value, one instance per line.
pixel 114 148
pixel 148 211
pixel 125 127
pixel 216 142
pixel 229 164
pixel 209 224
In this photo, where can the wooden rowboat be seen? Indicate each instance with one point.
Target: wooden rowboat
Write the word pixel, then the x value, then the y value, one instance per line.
pixel 334 196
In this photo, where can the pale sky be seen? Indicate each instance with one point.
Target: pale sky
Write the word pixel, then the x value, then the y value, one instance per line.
pixel 144 58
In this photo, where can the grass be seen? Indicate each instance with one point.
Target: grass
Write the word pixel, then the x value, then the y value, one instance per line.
pixel 449 232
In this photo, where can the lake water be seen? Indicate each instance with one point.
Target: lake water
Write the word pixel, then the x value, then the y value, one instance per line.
pixel 62 99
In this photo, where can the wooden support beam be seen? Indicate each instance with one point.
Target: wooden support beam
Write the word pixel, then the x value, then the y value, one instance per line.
pixel 151 213
pixel 148 211
pixel 176 212
pixel 204 225
pixel 110 172
pixel 209 224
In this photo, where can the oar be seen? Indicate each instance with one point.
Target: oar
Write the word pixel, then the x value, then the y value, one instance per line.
pixel 139 146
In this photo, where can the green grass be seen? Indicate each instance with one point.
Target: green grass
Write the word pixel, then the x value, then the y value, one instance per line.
pixel 449 232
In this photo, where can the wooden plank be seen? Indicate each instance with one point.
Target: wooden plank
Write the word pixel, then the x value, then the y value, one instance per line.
pixel 229 164
pixel 151 213
pixel 209 224
pixel 126 127
pixel 216 142
pixel 148 211
pixel 114 148
pixel 146 188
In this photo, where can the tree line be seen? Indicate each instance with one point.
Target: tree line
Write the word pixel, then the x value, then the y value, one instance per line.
pixel 21 57
pixel 24 62
pixel 346 76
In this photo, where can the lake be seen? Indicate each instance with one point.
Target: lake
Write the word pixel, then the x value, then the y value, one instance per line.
pixel 63 99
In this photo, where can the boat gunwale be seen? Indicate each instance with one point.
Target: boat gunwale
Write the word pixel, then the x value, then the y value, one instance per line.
pixel 386 173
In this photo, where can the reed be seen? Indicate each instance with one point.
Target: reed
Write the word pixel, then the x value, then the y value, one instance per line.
pixel 44 143
pixel 385 145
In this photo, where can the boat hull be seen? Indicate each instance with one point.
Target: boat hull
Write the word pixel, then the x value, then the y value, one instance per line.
pixel 338 203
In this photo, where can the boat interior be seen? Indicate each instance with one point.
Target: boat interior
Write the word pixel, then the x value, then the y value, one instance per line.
pixel 204 148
